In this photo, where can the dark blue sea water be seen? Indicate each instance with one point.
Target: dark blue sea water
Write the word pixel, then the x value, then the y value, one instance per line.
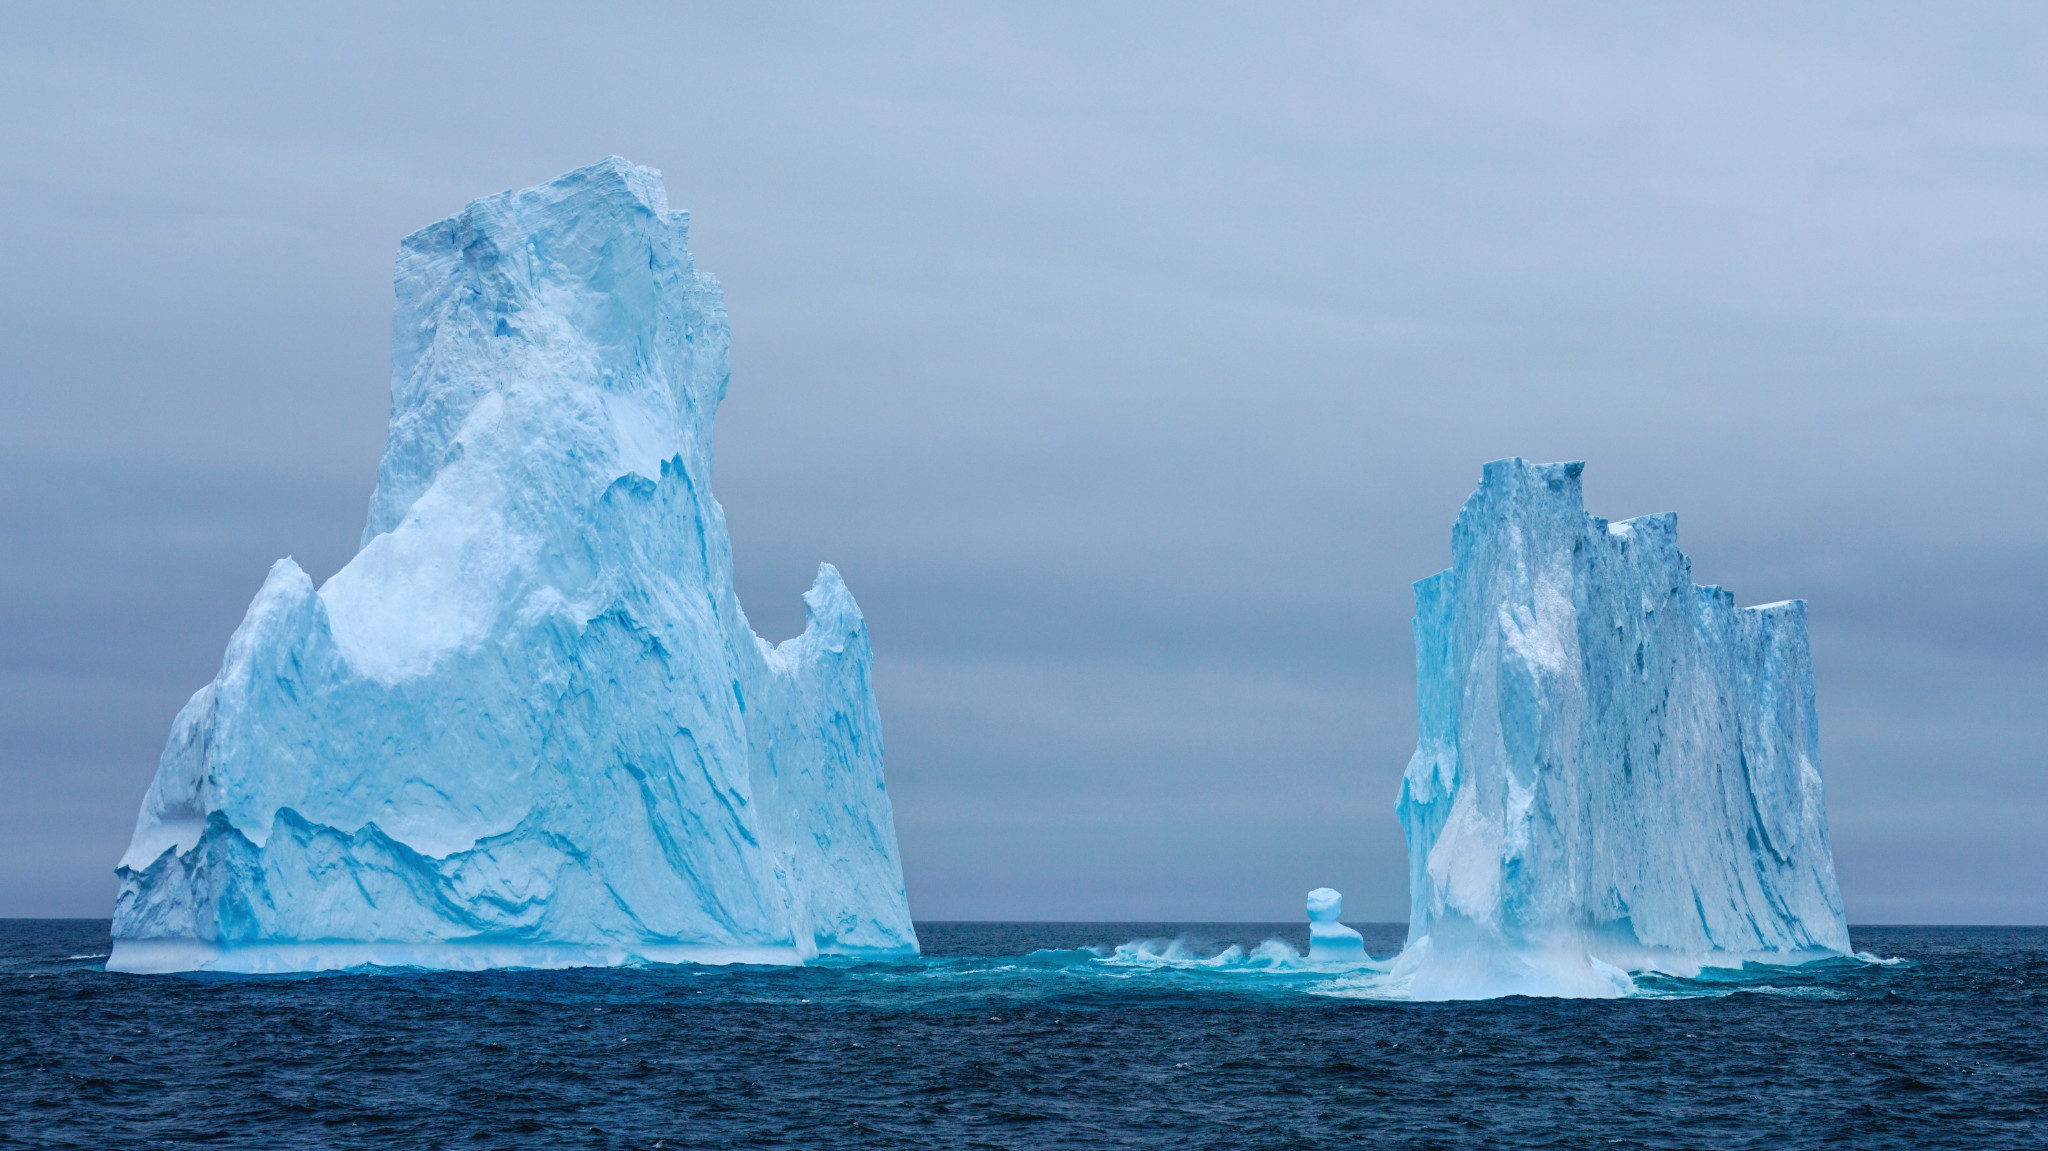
pixel 1009 1035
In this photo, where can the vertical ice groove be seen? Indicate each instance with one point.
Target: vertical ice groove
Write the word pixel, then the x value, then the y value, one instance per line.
pixel 527 724
pixel 1616 770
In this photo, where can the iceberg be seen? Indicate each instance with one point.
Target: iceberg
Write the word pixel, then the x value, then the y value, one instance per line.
pixel 528 724
pixel 1617 770
pixel 1328 940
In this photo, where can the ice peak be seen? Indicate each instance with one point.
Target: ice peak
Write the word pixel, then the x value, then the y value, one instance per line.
pixel 559 336
pixel 828 606
pixel 1508 478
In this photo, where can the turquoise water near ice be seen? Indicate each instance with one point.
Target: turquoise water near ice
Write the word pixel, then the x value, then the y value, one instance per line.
pixel 1026 1036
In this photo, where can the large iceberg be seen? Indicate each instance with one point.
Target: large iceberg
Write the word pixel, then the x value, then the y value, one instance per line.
pixel 528 724
pixel 1617 770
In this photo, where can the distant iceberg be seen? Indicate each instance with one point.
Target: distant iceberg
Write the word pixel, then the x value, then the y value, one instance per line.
pixel 1617 770
pixel 528 724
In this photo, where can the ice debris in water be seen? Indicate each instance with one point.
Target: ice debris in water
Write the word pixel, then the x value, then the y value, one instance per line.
pixel 1618 770
pixel 528 724
pixel 1328 940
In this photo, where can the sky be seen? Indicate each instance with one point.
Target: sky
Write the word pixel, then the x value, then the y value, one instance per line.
pixel 1130 361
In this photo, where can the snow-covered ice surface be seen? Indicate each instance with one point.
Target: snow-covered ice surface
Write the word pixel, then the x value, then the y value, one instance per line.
pixel 1618 771
pixel 528 724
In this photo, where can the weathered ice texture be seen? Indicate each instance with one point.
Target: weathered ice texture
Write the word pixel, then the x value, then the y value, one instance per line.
pixel 1618 770
pixel 528 724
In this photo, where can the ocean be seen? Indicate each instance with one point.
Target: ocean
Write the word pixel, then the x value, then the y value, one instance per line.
pixel 1025 1035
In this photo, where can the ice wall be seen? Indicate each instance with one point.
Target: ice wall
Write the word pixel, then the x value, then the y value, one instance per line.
pixel 1617 769
pixel 528 723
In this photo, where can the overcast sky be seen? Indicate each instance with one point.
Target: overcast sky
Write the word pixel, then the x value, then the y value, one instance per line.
pixel 1130 362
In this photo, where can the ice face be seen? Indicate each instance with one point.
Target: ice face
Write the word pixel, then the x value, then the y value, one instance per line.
pixel 528 724
pixel 1328 940
pixel 1617 770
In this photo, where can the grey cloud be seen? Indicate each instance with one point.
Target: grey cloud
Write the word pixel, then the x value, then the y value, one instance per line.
pixel 1130 363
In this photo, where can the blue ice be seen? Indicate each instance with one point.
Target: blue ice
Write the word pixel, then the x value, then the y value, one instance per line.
pixel 528 724
pixel 1617 770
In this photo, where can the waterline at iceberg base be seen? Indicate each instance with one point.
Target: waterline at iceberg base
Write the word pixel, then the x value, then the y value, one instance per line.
pixel 528 724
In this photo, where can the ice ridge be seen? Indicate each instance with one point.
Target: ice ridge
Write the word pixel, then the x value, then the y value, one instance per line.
pixel 1617 770
pixel 528 724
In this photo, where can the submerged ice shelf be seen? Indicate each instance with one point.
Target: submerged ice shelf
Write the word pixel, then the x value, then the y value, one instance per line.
pixel 528 724
pixel 1617 770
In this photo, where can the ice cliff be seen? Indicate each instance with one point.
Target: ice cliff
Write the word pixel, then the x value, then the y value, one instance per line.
pixel 1617 769
pixel 528 724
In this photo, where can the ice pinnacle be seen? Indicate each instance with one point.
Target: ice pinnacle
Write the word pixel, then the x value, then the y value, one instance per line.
pixel 1617 770
pixel 528 724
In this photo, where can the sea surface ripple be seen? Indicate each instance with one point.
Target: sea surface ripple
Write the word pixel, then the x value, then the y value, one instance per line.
pixel 1025 1036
